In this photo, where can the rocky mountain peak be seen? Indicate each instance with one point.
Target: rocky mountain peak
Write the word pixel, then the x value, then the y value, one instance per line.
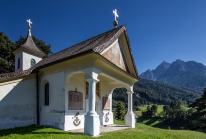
pixel 188 74
pixel 154 74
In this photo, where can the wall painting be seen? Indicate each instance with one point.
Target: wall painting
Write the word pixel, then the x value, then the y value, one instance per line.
pixel 114 55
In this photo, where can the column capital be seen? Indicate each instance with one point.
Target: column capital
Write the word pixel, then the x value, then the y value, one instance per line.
pixel 130 92
pixel 92 80
pixel 129 88
pixel 91 74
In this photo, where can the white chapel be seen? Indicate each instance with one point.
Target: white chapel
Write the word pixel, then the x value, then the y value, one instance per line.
pixel 71 89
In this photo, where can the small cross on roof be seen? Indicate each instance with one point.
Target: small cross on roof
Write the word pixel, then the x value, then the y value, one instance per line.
pixel 115 14
pixel 29 21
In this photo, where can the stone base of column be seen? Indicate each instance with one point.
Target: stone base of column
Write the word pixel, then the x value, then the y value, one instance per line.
pixel 130 120
pixel 92 125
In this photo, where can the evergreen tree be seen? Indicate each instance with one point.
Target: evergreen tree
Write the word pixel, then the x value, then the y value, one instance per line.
pixel 151 111
pixel 6 56
pixel 198 119
pixel 176 114
pixel 154 109
pixel 120 111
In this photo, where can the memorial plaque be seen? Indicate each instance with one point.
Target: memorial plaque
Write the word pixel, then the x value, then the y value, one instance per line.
pixel 75 100
pixel 105 103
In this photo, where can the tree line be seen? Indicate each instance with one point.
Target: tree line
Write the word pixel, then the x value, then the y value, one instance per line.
pixel 177 115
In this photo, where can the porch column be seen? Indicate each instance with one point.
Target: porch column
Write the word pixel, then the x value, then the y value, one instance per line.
pixel 92 123
pixel 130 116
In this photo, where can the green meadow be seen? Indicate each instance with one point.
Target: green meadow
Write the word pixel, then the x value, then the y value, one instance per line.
pixel 142 131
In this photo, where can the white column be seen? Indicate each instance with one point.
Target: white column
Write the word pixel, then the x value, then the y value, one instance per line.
pixel 130 116
pixel 92 123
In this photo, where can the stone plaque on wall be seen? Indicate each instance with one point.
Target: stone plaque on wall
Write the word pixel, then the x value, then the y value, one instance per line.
pixel 105 103
pixel 75 100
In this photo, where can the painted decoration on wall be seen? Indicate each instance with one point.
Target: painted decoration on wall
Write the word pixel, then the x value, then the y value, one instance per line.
pixel 75 100
pixel 97 90
pixel 76 121
pixel 105 103
pixel 114 55
pixel 106 117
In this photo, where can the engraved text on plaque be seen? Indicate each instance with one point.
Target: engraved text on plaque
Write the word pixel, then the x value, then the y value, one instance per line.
pixel 75 100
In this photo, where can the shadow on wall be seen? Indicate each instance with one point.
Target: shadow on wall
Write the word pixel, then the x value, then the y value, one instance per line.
pixel 18 104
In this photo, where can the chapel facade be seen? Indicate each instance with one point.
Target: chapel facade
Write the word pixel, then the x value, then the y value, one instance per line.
pixel 71 89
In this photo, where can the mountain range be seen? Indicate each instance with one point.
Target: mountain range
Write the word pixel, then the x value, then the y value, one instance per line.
pixel 154 92
pixel 168 82
pixel 191 74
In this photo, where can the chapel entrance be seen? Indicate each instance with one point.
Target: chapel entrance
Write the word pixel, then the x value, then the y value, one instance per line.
pixel 88 102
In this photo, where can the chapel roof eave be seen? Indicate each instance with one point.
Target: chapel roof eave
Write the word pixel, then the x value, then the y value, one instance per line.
pixel 95 44
pixel 130 50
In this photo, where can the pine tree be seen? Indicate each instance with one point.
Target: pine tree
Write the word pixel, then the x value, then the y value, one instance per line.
pixel 6 56
pixel 198 118
pixel 120 111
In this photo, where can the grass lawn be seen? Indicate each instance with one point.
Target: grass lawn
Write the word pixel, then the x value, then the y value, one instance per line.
pixel 141 131
pixel 153 121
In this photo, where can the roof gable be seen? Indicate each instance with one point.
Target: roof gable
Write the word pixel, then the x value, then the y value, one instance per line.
pixel 114 54
pixel 126 50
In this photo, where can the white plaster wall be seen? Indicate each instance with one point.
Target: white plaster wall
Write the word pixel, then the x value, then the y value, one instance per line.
pixel 18 55
pixel 26 64
pixel 75 81
pixel 105 90
pixel 69 119
pixel 53 114
pixel 18 104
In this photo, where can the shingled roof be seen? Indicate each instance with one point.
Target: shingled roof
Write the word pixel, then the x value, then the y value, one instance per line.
pixel 96 44
pixel 31 46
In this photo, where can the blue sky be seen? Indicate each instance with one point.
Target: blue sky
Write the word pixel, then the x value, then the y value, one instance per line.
pixel 159 30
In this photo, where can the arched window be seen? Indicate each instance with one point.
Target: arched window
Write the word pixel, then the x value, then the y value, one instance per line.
pixel 18 63
pixel 47 94
pixel 33 62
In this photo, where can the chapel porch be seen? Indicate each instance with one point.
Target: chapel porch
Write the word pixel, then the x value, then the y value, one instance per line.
pixel 95 116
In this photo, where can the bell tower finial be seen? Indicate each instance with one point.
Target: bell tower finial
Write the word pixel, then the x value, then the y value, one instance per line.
pixel 29 26
pixel 115 23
